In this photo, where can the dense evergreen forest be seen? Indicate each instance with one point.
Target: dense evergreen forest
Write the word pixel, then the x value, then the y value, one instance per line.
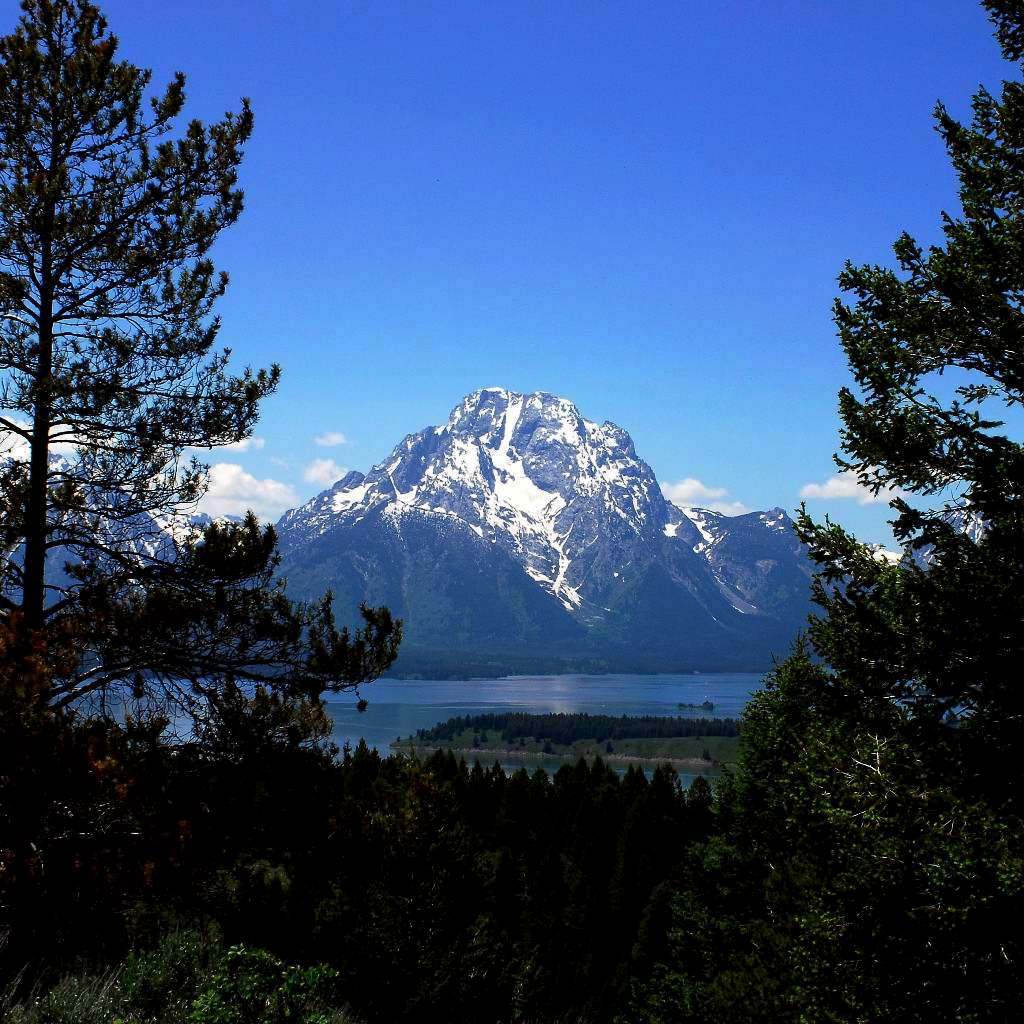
pixel 430 890
pixel 863 862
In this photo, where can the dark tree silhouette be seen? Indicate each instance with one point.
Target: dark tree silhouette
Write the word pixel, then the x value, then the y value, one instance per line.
pixel 109 377
pixel 872 857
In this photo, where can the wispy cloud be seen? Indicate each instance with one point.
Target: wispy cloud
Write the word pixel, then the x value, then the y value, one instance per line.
pixel 247 444
pixel 233 491
pixel 691 491
pixel 323 471
pixel 845 486
pixel 330 439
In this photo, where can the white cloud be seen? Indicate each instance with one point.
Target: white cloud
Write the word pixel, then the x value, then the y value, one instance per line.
pixel 233 491
pixel 323 471
pixel 845 485
pixel 727 508
pixel 690 491
pixel 247 444
pixel 12 445
pixel 330 439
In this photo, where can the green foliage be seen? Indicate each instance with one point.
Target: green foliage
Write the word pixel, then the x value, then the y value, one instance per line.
pixel 119 618
pixel 869 862
pixel 715 750
pixel 160 984
pixel 850 881
pixel 936 351
pixel 240 727
pixel 253 987
pixel 187 979
pixel 109 209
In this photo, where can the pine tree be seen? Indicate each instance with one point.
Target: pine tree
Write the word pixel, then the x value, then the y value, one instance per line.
pixel 110 376
pixel 887 766
pixel 936 349
pixel 871 861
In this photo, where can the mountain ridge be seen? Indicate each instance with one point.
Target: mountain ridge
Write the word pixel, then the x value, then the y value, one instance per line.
pixel 525 491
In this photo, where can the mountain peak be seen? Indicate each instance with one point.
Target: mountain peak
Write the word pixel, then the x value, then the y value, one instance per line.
pixel 526 471
pixel 567 497
pixel 529 497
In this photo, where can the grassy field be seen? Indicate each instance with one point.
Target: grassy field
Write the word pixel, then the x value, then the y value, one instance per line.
pixel 720 750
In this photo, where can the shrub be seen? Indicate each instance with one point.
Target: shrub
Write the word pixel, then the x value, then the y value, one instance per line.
pixel 250 986
pixel 186 980
pixel 160 984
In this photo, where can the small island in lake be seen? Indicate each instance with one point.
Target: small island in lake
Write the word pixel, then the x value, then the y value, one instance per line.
pixel 703 706
pixel 692 743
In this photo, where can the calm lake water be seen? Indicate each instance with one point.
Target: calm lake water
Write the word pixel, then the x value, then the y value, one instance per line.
pixel 398 707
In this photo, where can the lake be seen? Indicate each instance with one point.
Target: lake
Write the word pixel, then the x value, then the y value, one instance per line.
pixel 398 707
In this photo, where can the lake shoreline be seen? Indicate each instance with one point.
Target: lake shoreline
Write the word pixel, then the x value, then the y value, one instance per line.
pixel 689 764
pixel 399 709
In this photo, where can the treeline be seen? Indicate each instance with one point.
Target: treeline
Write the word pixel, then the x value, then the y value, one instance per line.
pixel 568 728
pixel 483 896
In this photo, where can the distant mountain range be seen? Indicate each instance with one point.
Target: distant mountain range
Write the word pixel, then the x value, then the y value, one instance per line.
pixel 521 537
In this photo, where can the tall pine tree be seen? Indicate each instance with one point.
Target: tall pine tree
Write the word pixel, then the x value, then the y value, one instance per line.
pixel 110 374
pixel 871 861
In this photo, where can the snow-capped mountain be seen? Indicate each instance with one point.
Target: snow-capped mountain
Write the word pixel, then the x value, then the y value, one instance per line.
pixel 520 528
pixel 527 472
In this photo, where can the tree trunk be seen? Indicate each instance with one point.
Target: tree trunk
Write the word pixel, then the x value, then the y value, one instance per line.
pixel 36 531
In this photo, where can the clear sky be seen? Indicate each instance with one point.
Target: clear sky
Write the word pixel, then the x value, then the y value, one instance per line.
pixel 641 206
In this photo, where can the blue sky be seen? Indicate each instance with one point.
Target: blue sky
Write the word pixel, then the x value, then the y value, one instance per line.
pixel 640 206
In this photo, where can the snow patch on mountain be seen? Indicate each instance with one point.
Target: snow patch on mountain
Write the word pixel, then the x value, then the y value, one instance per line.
pixel 776 519
pixel 707 523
